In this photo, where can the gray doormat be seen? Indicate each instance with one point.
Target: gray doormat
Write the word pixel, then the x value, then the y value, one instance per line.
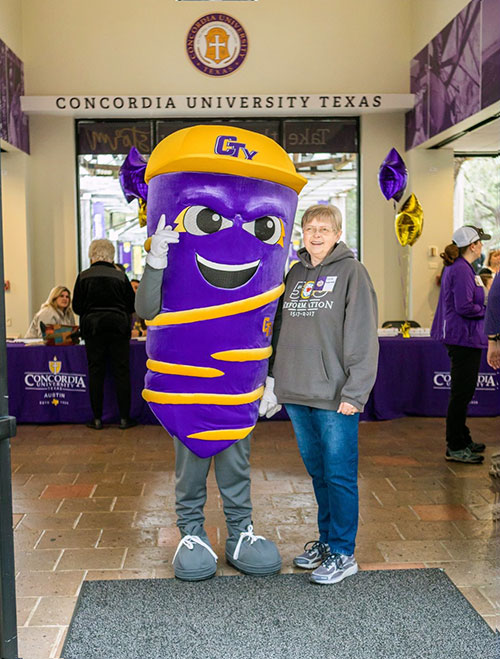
pixel 394 614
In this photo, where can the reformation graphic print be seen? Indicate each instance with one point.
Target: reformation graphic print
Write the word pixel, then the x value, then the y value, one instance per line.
pixel 309 297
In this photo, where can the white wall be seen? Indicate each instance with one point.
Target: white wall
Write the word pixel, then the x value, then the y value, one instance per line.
pixel 16 243
pixel 433 183
pixel 52 206
pixel 380 248
pixel 120 46
pixel 428 17
pixel 11 25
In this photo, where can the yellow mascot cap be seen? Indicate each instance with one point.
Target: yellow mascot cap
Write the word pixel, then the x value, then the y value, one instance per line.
pixel 224 150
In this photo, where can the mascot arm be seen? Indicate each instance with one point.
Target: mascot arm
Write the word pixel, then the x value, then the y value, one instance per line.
pixel 148 296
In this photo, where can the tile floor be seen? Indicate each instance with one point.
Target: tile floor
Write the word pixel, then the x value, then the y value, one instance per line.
pixel 100 505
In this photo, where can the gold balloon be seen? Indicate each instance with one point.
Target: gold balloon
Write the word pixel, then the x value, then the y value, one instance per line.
pixel 143 213
pixel 409 221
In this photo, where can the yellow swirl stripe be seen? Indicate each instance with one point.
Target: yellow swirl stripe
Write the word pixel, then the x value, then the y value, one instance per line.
pixel 218 435
pixel 243 355
pixel 183 369
pixel 201 399
pixel 216 311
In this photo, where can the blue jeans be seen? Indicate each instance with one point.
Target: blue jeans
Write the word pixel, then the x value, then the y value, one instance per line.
pixel 328 445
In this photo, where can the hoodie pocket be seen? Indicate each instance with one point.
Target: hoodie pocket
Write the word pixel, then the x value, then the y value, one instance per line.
pixel 300 373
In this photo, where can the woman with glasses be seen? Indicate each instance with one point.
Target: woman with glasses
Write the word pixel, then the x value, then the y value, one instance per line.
pixel 459 324
pixel 56 310
pixel 323 368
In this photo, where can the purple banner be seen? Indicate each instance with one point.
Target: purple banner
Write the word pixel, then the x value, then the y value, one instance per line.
pixel 490 90
pixel 14 123
pixel 455 70
pixel 417 120
pixel 125 256
pixel 3 92
pixel 462 75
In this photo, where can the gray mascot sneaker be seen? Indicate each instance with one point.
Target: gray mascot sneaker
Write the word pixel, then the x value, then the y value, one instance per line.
pixel 252 554
pixel 194 559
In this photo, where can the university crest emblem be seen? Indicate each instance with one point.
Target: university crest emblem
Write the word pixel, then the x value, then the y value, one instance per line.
pixel 217 44
pixel 55 366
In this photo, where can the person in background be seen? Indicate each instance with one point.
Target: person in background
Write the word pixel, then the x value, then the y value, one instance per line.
pixel 326 353
pixel 492 330
pixel 104 300
pixel 56 310
pixel 138 325
pixel 492 325
pixel 486 278
pixel 492 263
pixel 459 324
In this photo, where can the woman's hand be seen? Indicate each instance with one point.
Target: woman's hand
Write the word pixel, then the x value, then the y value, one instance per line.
pixel 493 357
pixel 347 409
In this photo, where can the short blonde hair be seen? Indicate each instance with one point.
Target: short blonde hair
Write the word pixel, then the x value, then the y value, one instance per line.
pixel 53 295
pixel 491 254
pixel 101 249
pixel 323 212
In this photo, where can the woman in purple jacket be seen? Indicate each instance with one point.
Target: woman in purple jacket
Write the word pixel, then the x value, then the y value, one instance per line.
pixel 459 324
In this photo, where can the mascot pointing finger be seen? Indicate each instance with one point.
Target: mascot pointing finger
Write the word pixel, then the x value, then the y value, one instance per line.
pixel 220 208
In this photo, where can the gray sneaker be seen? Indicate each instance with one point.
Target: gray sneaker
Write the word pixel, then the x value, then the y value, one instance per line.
pixel 314 554
pixel 194 559
pixel 464 455
pixel 334 568
pixel 253 554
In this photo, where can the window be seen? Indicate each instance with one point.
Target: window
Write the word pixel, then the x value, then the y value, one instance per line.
pixel 325 151
pixel 477 195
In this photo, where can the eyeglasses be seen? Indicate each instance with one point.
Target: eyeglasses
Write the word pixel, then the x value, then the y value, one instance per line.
pixel 323 230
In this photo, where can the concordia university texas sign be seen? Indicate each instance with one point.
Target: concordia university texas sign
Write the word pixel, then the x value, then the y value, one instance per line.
pixel 217 105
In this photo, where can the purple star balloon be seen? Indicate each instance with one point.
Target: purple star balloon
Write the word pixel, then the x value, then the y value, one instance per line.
pixel 132 176
pixel 393 176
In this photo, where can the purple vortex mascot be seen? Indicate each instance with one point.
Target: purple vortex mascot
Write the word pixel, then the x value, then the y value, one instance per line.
pixel 221 204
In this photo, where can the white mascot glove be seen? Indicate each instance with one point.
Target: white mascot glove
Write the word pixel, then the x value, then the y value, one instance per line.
pixel 269 405
pixel 157 255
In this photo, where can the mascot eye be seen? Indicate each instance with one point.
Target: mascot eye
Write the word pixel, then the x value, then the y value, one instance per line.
pixel 268 229
pixel 200 221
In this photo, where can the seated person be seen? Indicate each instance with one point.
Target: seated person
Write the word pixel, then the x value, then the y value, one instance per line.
pixel 486 278
pixel 56 310
pixel 137 324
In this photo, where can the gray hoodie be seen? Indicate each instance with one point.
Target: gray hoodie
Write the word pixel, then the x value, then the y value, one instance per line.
pixel 325 333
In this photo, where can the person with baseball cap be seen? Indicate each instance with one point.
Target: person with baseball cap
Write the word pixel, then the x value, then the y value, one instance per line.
pixel 459 324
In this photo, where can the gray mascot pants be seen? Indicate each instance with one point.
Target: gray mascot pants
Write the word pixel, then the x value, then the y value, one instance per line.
pixel 232 473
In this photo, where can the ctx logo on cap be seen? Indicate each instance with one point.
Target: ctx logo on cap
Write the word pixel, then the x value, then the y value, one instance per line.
pixel 226 145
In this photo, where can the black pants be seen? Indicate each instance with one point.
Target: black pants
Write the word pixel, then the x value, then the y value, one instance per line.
pixel 464 371
pixel 117 349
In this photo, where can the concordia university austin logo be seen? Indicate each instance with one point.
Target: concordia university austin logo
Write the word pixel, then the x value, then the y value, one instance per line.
pixel 54 385
pixel 217 44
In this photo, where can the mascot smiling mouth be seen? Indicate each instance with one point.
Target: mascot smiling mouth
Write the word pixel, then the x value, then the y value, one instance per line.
pixel 224 275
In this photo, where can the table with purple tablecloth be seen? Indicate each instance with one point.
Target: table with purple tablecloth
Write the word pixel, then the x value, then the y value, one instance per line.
pixel 48 384
pixel 413 379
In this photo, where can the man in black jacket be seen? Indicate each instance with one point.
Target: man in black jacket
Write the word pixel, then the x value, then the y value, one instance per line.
pixel 104 299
